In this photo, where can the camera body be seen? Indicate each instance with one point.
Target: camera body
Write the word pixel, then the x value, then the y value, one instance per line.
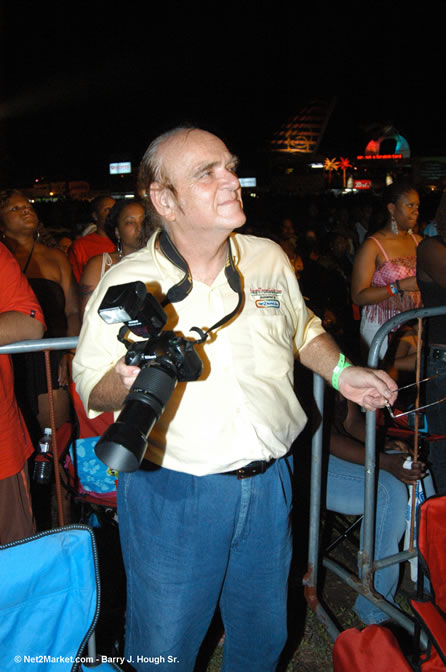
pixel 164 357
pixel 173 350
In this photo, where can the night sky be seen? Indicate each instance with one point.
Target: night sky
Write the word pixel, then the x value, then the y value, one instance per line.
pixel 86 83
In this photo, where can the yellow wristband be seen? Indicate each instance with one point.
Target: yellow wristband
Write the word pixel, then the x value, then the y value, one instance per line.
pixel 340 366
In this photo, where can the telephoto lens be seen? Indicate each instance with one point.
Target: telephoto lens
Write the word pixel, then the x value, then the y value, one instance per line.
pixel 123 444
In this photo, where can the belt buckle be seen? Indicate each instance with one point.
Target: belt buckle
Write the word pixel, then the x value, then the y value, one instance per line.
pixel 243 472
pixel 252 469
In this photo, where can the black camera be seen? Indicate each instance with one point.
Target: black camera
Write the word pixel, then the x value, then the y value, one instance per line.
pixel 164 358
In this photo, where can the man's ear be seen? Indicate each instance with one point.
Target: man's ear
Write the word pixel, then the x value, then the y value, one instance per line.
pixel 163 201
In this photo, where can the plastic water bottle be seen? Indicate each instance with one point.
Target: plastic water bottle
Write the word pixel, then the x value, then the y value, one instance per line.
pixel 43 462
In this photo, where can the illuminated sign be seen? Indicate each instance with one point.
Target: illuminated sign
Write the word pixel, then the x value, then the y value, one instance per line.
pixel 303 133
pixel 248 181
pixel 373 157
pixel 120 168
pixel 389 133
pixel 362 185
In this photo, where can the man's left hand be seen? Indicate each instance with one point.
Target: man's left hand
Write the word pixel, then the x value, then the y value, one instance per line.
pixel 369 388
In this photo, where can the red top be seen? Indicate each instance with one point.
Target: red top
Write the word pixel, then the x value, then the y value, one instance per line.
pixel 15 295
pixel 82 249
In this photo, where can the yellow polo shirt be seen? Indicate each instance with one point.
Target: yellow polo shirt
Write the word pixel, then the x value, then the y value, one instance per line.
pixel 243 407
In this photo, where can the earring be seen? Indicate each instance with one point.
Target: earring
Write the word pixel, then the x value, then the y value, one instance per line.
pixel 394 225
pixel 119 247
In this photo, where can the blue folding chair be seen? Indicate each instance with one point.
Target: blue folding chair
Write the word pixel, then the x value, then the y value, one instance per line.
pixel 49 603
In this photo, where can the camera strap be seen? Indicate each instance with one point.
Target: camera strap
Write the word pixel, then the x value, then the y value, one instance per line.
pixel 179 291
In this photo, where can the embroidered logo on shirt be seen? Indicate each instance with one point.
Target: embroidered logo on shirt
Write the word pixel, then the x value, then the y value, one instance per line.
pixel 266 297
pixel 267 303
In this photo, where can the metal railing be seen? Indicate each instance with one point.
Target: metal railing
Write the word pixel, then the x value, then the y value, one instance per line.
pixel 67 343
pixel 363 585
pixel 45 345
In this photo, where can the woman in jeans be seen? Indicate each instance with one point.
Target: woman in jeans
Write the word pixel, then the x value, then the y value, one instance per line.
pixel 345 494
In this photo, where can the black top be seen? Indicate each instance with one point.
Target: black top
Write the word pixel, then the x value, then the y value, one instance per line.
pixel 431 278
pixel 52 301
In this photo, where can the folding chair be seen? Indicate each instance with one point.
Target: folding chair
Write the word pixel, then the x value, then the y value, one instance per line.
pixel 375 647
pixel 431 609
pixel 49 603
pixel 87 479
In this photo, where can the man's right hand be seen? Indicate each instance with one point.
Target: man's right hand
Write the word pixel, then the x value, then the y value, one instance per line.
pixel 110 392
pixel 127 374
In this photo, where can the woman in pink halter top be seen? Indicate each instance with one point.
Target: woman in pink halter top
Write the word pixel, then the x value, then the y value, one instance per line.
pixel 384 270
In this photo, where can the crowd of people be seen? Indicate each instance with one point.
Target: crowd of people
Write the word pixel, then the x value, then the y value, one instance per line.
pixel 209 509
pixel 53 271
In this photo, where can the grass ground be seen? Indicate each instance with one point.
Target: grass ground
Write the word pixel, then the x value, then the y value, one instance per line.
pixel 310 647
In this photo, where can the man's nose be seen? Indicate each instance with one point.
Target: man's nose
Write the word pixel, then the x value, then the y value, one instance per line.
pixel 231 179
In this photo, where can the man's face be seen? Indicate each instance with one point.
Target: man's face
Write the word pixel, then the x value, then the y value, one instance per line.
pixel 208 193
pixel 103 208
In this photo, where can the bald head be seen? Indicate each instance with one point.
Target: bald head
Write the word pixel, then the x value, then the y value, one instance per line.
pixel 151 168
pixel 168 154
pixel 188 177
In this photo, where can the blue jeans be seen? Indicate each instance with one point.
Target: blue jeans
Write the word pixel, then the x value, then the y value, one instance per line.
pixel 192 542
pixel 345 494
pixel 436 421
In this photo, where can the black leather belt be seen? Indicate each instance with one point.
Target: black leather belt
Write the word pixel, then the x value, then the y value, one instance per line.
pixel 251 469
pixel 437 354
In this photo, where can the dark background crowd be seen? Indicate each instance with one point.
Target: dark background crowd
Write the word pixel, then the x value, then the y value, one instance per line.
pixel 321 235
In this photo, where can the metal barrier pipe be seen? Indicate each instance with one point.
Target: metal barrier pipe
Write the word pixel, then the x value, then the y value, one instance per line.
pixel 310 580
pixel 67 343
pixel 316 477
pixel 366 558
pixel 395 559
pixel 46 345
pixel 364 585
pixel 353 582
pixel 366 553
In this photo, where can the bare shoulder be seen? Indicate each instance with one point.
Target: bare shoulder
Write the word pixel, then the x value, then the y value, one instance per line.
pixel 91 273
pixel 51 257
pixel 59 258
pixel 56 254
pixel 94 263
pixel 368 249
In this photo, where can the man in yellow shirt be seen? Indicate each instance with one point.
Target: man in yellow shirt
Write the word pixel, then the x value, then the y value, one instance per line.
pixel 206 518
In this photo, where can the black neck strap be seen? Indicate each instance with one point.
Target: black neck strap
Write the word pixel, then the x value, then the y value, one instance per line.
pixel 179 291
